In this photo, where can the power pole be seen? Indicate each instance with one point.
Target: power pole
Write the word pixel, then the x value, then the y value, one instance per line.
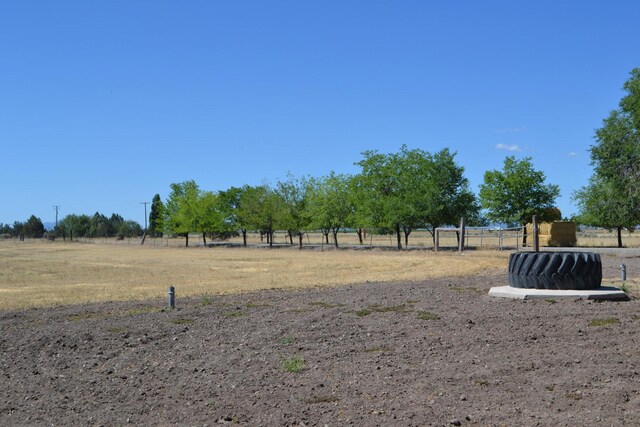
pixel 145 214
pixel 57 208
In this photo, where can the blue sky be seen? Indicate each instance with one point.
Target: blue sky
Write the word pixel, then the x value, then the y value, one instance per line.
pixel 104 104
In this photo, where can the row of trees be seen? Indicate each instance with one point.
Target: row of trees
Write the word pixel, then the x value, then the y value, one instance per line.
pixel 73 225
pixel 393 193
pixel 33 227
pixel 612 197
pixel 97 225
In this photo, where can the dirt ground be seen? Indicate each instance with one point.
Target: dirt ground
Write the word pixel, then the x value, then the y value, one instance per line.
pixel 438 352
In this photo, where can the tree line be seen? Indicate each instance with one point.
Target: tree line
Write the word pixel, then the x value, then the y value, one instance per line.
pixel 73 225
pixel 393 193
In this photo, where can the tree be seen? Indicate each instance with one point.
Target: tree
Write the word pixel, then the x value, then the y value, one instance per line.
pixel 516 193
pixel 295 218
pixel 154 216
pixel 260 209
pixel 230 202
pixel 329 206
pixel 602 204
pixel 33 227
pixel 179 213
pixel 612 197
pixel 412 188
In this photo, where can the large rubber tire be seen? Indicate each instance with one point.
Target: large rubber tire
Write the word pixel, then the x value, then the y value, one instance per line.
pixel 555 270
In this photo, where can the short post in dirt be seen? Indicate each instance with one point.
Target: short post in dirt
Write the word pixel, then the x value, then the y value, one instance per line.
pixel 536 241
pixel 461 242
pixel 172 297
pixel 623 272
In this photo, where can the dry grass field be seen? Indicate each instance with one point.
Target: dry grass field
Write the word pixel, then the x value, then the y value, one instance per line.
pixel 43 273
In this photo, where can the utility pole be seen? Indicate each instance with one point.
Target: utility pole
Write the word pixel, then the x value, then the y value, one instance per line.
pixel 57 208
pixel 145 214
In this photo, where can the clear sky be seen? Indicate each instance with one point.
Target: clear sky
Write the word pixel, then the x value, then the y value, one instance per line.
pixel 104 104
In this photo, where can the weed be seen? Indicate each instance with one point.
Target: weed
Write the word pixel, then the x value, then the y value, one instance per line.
pixel 299 310
pixel 604 322
pixel 286 340
pixel 182 321
pixel 255 305
pixel 575 395
pixel 321 399
pixel 232 314
pixel 411 301
pixel 142 310
pixel 551 300
pixel 482 382
pixel 377 349
pixel 624 288
pixel 325 304
pixel 427 315
pixel 376 308
pixel 294 364
pixel 550 387
pixel 83 316
pixel 206 300
pixel 117 330
pixel 636 317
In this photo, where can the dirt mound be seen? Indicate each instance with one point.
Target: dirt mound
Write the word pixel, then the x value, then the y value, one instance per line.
pixel 438 352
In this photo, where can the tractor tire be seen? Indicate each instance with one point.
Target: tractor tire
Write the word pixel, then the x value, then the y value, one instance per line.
pixel 555 270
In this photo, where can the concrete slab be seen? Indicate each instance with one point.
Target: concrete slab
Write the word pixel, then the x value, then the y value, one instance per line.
pixel 602 293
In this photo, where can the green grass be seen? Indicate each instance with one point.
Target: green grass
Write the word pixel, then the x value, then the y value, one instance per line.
pixel 376 308
pixel 286 340
pixel 117 330
pixel 182 321
pixel 427 315
pixel 604 322
pixel 550 300
pixel 293 364
pixel 325 304
pixel 207 300
pixel 143 310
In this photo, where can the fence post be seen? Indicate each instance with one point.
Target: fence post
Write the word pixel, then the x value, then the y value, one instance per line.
pixel 437 245
pixel 461 242
pixel 536 241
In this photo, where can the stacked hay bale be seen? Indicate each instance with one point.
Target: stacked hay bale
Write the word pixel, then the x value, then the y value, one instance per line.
pixel 557 233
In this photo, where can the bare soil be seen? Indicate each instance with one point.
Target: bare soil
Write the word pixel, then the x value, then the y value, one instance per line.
pixel 437 352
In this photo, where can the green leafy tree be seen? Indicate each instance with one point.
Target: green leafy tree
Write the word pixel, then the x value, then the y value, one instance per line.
pixel 230 203
pixel 74 225
pixel 261 209
pixel 179 216
pixel 603 204
pixel 516 193
pixel 612 197
pixel 412 188
pixel 33 227
pixel 128 228
pixel 295 218
pixel 329 204
pixel 154 216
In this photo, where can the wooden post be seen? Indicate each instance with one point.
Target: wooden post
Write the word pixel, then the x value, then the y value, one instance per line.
pixel 461 242
pixel 437 246
pixel 536 242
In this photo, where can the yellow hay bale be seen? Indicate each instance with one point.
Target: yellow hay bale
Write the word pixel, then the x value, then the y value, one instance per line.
pixel 557 233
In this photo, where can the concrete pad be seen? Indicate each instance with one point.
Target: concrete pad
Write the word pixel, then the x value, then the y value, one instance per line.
pixel 602 293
